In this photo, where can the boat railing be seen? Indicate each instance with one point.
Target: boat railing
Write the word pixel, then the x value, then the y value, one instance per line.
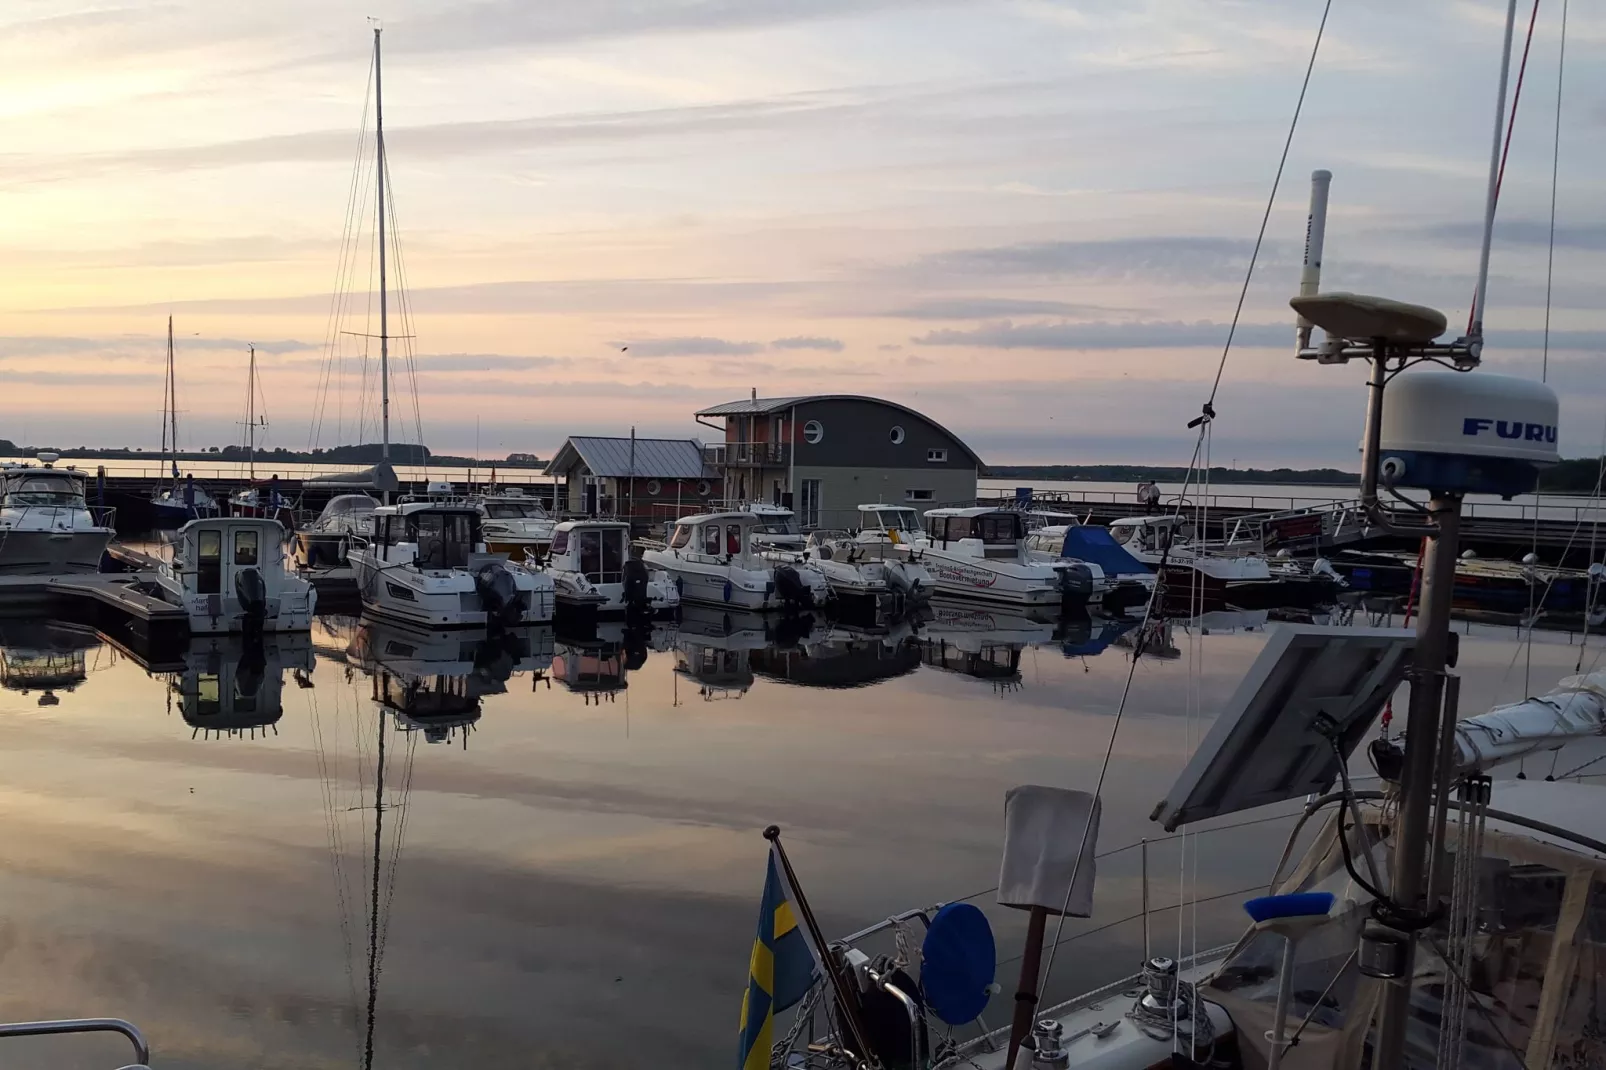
pixel 104 516
pixel 142 1050
pixel 1563 508
pixel 748 453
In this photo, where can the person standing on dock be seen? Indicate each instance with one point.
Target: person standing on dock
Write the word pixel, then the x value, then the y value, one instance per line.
pixel 1149 495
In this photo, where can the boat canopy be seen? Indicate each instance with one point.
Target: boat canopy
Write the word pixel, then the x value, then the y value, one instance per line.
pixel 381 477
pixel 1097 546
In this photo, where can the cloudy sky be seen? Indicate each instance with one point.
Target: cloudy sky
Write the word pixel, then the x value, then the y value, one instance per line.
pixel 1028 218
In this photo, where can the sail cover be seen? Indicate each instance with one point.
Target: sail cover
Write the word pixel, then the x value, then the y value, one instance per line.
pixel 381 477
pixel 1097 546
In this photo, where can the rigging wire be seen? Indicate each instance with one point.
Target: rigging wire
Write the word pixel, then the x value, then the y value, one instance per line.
pixel 1271 200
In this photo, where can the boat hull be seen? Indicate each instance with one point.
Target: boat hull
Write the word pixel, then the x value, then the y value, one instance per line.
pixel 973 580
pixel 52 553
pixel 445 598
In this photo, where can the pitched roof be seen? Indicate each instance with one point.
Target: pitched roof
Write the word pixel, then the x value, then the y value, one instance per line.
pixel 657 458
pixel 766 406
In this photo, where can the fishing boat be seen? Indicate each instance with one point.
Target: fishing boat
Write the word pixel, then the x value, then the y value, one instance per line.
pixel 228 574
pixel 425 563
pixel 711 559
pixel 178 502
pixel 592 568
pixel 515 524
pixel 46 525
pixel 979 554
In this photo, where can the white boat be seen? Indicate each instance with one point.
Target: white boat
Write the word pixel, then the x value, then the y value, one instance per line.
pixel 425 563
pixel 590 564
pixel 862 576
pixel 980 554
pixel 1166 544
pixel 1119 579
pixel 515 524
pixel 712 561
pixel 778 528
pixel 324 542
pixel 46 525
pixel 229 576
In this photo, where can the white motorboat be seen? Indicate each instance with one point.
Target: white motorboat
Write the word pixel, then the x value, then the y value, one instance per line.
pixel 980 554
pixel 426 564
pixel 860 575
pixel 1119 579
pixel 229 576
pixel 324 542
pixel 1244 577
pixel 46 525
pixel 590 564
pixel 515 524
pixel 777 529
pixel 711 559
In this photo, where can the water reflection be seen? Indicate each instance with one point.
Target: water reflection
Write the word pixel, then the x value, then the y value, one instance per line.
pixel 45 657
pixel 231 687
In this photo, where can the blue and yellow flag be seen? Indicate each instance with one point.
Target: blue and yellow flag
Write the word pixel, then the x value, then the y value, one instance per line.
pixel 780 971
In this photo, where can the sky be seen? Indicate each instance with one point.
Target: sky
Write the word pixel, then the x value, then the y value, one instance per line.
pixel 1028 219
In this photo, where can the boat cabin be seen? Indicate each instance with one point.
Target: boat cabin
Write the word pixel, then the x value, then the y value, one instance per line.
pixel 513 505
pixel 347 513
pixel 892 523
pixel 431 535
pixel 597 549
pixel 1151 533
pixel 976 532
pixel 777 526
pixel 211 553
pixel 720 537
pixel 27 487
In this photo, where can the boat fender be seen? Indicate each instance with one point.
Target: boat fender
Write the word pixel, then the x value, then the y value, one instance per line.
pixel 727 590
pixel 635 576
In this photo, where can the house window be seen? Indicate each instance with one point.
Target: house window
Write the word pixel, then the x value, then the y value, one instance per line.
pixel 937 456
pixel 809 511
pixel 897 436
pixel 654 487
pixel 813 432
pixel 919 496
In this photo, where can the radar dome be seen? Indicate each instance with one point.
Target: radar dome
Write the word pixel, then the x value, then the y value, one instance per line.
pixel 1467 432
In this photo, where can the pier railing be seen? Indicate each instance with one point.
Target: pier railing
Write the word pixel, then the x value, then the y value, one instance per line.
pixel 1547 508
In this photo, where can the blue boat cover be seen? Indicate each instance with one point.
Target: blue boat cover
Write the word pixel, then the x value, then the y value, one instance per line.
pixel 1294 905
pixel 958 958
pixel 1098 546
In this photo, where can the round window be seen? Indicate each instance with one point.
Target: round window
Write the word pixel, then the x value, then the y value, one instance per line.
pixel 704 487
pixel 897 436
pixel 654 487
pixel 813 432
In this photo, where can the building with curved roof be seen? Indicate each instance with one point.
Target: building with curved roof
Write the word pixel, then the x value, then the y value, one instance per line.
pixel 825 454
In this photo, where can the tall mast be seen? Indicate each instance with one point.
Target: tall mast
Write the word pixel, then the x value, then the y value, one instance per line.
pixel 384 321
pixel 251 417
pixel 172 397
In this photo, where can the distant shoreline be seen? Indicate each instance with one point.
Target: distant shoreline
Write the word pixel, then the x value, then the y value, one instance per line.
pixel 1135 473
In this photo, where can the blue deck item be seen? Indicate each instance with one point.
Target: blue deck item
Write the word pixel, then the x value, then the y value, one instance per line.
pixel 1097 546
pixel 1295 905
pixel 958 959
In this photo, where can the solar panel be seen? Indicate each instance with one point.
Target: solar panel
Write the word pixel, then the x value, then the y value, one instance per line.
pixel 1271 742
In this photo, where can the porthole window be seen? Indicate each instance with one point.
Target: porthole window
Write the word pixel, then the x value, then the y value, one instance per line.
pixel 704 487
pixel 897 436
pixel 813 432
pixel 654 487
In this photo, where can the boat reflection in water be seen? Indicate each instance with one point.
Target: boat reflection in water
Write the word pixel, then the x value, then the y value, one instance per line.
pixel 433 681
pixel 715 647
pixel 44 656
pixel 842 656
pixel 596 664
pixel 983 643
pixel 231 686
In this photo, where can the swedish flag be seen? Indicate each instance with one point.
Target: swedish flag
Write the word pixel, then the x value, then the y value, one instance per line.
pixel 780 971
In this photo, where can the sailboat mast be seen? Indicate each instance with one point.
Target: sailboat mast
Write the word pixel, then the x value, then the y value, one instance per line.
pixel 251 416
pixel 172 398
pixel 384 319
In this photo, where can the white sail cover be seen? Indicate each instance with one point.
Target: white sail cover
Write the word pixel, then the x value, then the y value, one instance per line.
pixel 1043 827
pixel 1575 710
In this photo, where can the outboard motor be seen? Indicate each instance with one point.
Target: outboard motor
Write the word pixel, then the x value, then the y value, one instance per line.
pixel 1076 579
pixel 900 579
pixel 252 591
pixel 503 601
pixel 793 591
pixel 636 586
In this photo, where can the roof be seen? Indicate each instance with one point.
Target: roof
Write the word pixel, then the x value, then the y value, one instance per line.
pixel 702 517
pixel 657 458
pixel 974 510
pixel 591 524
pixel 765 406
pixel 885 505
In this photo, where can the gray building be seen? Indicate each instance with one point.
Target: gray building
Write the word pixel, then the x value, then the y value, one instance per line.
pixel 826 454
pixel 651 478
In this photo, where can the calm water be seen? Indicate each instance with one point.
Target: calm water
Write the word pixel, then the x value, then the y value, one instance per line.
pixel 568 876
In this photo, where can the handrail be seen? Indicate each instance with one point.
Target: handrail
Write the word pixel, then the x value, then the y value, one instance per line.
pixel 142 1050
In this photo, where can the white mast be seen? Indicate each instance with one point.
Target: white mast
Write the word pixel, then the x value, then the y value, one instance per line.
pixel 251 417
pixel 384 322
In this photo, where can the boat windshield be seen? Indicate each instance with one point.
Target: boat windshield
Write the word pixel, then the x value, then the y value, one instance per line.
pixel 444 539
pixel 778 526
pixel 504 510
pixel 602 555
pixel 681 538
pixel 45 490
pixel 894 520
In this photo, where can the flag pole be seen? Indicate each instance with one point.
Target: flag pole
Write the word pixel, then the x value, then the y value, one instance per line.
pixel 844 996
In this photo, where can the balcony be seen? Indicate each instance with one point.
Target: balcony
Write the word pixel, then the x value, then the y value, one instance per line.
pixel 748 454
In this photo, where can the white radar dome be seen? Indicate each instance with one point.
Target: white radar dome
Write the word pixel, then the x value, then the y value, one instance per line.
pixel 1469 432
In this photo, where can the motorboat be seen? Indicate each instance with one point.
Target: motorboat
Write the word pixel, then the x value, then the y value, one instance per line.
pixel 515 524
pixel 1120 580
pixel 1221 572
pixel 229 576
pixel 263 499
pixel 862 576
pixel 425 563
pixel 232 687
pixel 1513 587
pixel 46 525
pixel 712 561
pixel 979 554
pixel 592 568
pixel 323 543
pixel 777 529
